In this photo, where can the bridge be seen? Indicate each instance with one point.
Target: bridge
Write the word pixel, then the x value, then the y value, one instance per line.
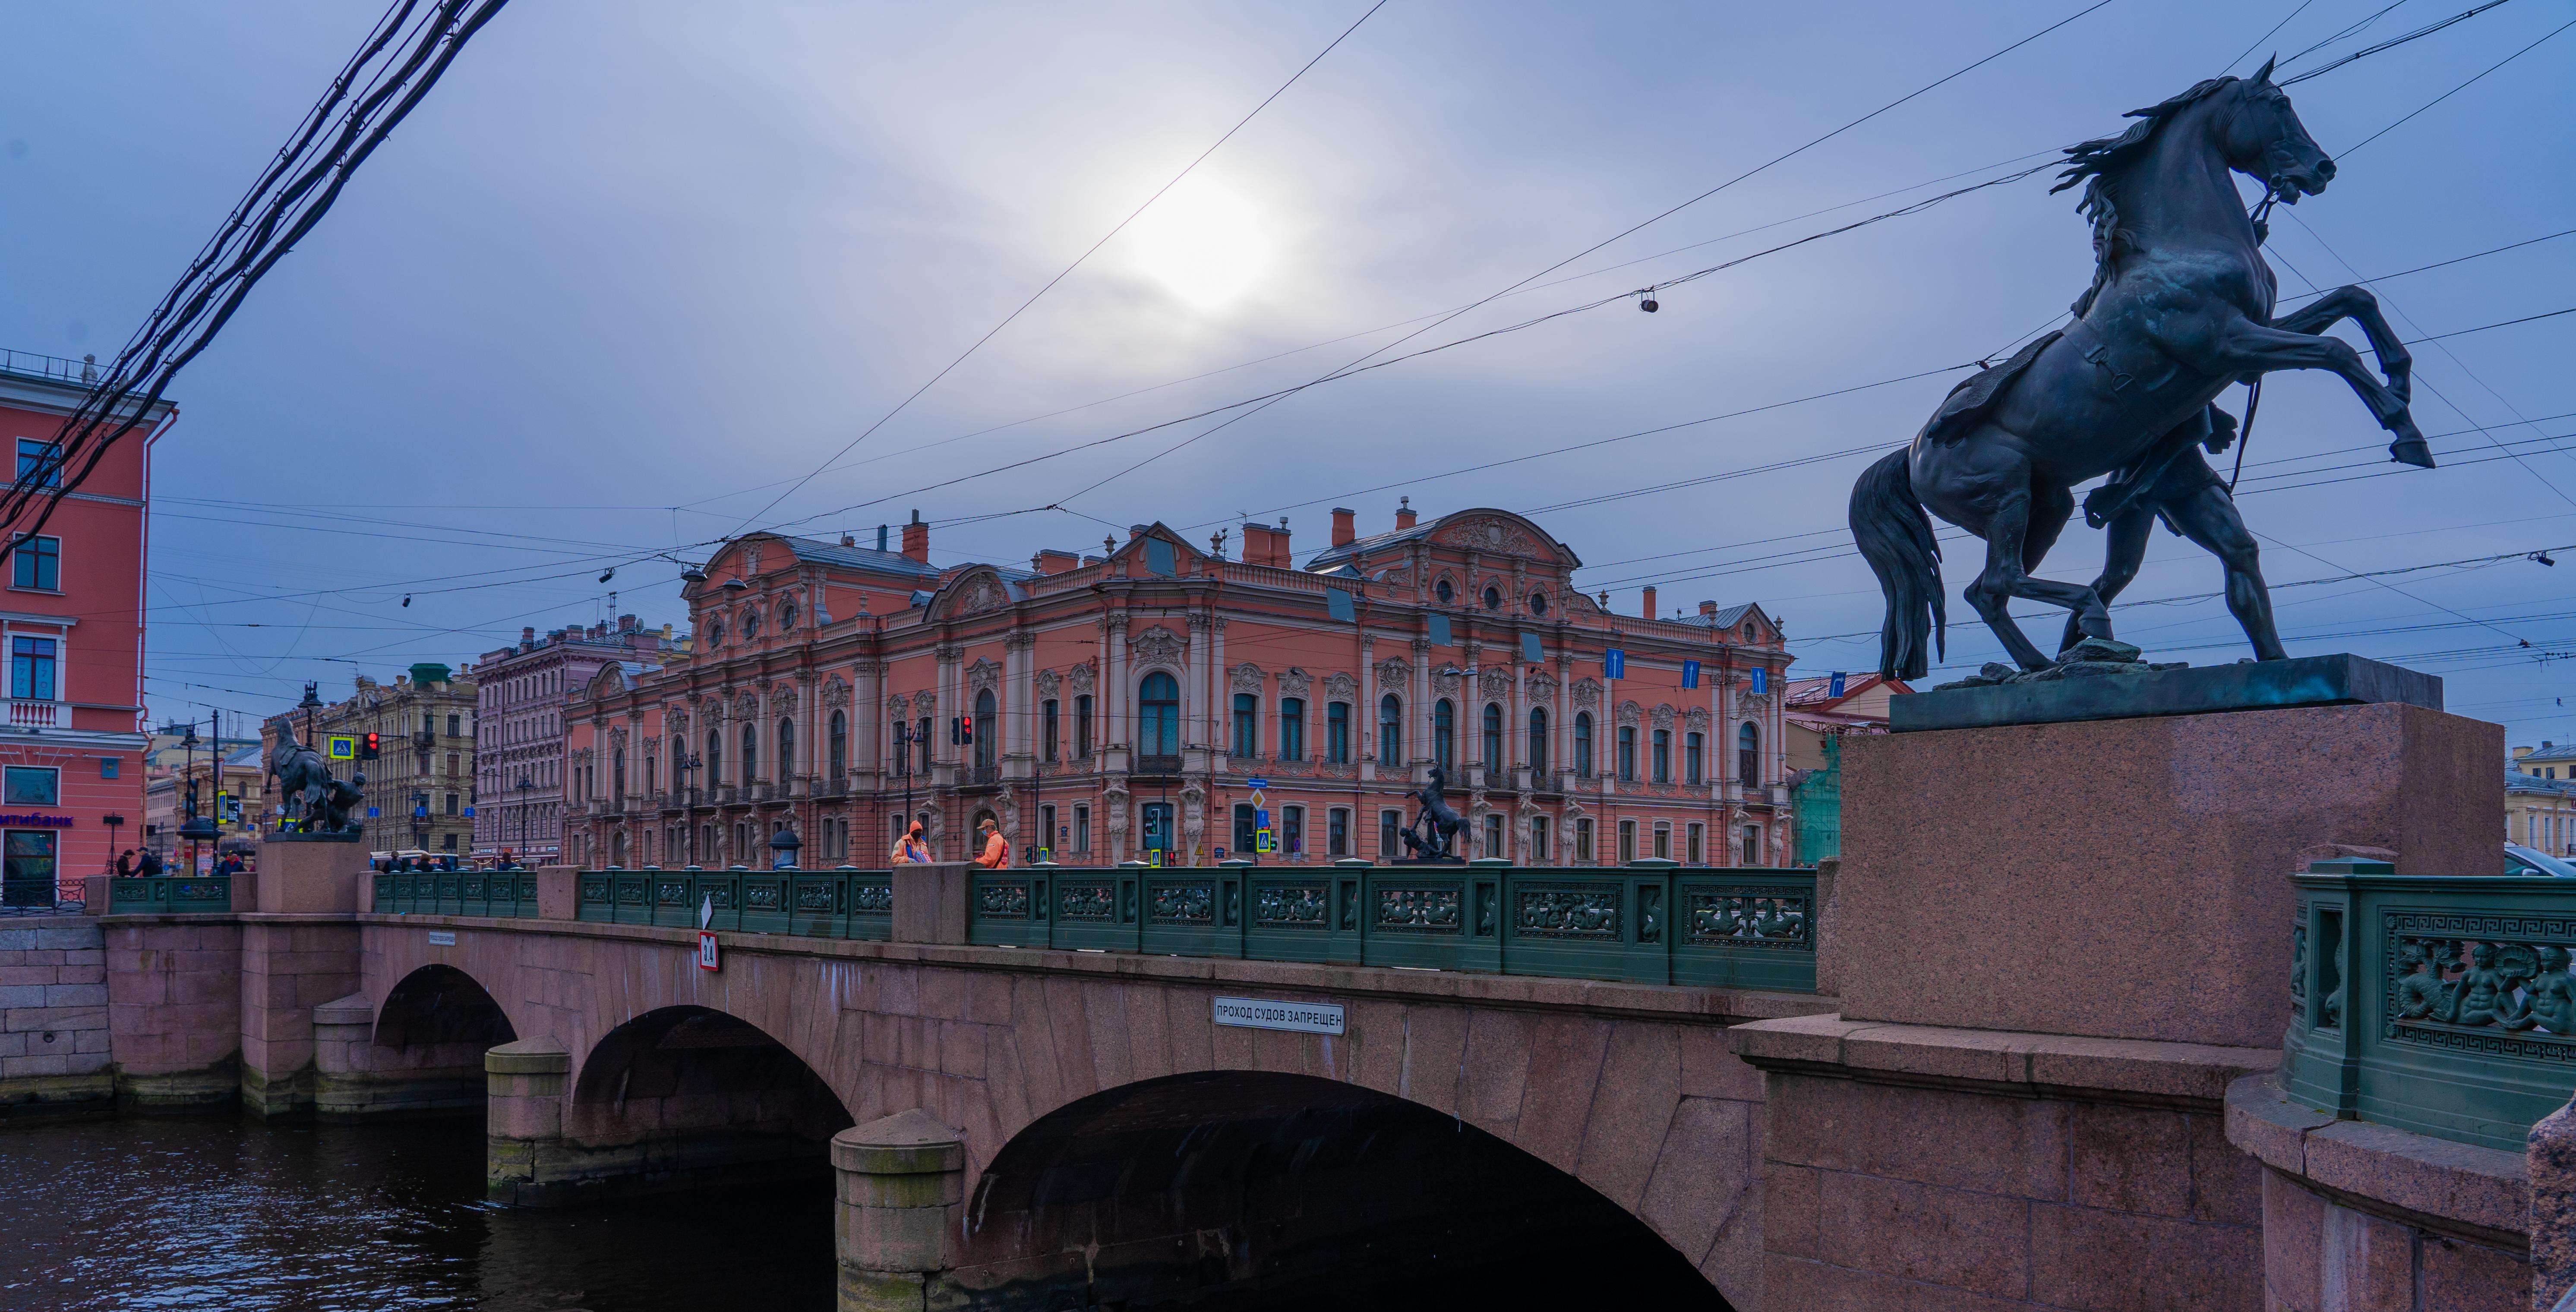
pixel 2180 1029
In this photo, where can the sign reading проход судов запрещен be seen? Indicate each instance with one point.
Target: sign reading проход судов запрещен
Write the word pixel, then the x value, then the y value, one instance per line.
pixel 1267 1014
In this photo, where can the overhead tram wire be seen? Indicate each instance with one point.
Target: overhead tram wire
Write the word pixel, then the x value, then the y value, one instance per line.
pixel 2390 44
pixel 374 92
pixel 1068 269
pixel 2347 151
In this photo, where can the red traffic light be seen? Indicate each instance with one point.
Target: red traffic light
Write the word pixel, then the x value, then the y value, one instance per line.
pixel 368 751
pixel 965 729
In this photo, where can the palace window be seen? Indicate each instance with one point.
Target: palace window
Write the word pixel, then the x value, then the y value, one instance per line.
pixel 1292 729
pixel 1663 756
pixel 1753 845
pixel 1538 840
pixel 1698 843
pixel 1494 737
pixel 1337 732
pixel 750 753
pixel 1390 730
pixel 1628 753
pixel 1053 731
pixel 988 729
pixel 840 747
pixel 1158 720
pixel 1081 728
pixel 1627 842
pixel 1337 832
pixel 1583 744
pixel 1583 838
pixel 1748 756
pixel 1247 725
pixel 1538 744
pixel 1691 754
pixel 786 750
pixel 1389 823
pixel 1443 736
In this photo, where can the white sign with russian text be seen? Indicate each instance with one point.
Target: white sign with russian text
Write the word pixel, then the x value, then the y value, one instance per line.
pixel 1265 1014
pixel 442 938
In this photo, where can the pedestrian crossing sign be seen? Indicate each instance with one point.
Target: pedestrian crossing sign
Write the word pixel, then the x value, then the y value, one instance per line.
pixel 343 747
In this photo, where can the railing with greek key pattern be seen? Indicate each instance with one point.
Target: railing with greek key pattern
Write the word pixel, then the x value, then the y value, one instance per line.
pixel 2441 1005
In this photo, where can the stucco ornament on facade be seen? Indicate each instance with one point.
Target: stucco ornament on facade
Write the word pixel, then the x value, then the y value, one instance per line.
pixel 1295 682
pixel 836 692
pixel 986 593
pixel 1697 719
pixel 1393 672
pixel 1587 693
pixel 1340 686
pixel 746 707
pixel 1247 678
pixel 1158 646
pixel 925 702
pixel 1495 681
pixel 1630 713
pixel 782 700
pixel 1663 715
pixel 983 675
pixel 1541 687
pixel 897 705
pixel 1447 680
pixel 1049 684
pixel 1082 679
pixel 1499 536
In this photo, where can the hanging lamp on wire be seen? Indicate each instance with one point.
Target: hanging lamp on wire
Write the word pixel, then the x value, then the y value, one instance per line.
pixel 1646 300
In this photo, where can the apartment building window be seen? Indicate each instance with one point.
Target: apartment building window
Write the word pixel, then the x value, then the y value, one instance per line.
pixel 1054 728
pixel 1663 756
pixel 1494 834
pixel 1664 842
pixel 1748 756
pixel 1628 753
pixel 37 563
pixel 1627 842
pixel 1337 733
pixel 1158 719
pixel 1247 725
pixel 41 460
pixel 840 747
pixel 1081 727
pixel 1583 744
pixel 1753 845
pixel 1388 824
pixel 31 785
pixel 1698 843
pixel 1538 745
pixel 1691 755
pixel 1583 838
pixel 1244 845
pixel 451 804
pixel 1292 729
pixel 1538 850
pixel 1292 830
pixel 454 723
pixel 1082 829
pixel 1337 832
pixel 31 668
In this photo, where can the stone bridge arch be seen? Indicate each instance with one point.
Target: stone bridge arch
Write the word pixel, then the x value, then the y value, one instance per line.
pixel 419 1053
pixel 1259 1188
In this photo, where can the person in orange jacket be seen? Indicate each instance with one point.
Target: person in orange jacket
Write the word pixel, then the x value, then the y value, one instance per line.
pixel 910 849
pixel 997 852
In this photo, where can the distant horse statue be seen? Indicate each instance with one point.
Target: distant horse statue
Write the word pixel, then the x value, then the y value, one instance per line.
pixel 1433 835
pixel 304 781
pixel 2180 309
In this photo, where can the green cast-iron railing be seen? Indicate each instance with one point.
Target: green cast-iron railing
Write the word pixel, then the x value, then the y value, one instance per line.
pixel 170 894
pixel 457 893
pixel 1652 922
pixel 2442 1005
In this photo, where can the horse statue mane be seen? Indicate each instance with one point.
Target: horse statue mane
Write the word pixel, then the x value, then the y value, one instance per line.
pixel 2099 162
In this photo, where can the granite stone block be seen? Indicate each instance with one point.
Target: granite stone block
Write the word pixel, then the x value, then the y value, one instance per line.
pixel 2087 1260
pixel 2550 1164
pixel 1955 1237
pixel 2011 1146
pixel 2130 1159
pixel 1692 1192
pixel 1792 1284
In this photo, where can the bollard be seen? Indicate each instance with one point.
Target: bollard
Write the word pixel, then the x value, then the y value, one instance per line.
pixel 900 1199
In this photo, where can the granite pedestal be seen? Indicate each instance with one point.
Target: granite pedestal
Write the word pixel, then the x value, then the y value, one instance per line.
pixel 299 951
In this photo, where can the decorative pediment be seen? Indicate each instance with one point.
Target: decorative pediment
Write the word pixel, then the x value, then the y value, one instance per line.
pixel 1495 681
pixel 1663 715
pixel 1158 646
pixel 782 700
pixel 1541 687
pixel 1630 713
pixel 1247 678
pixel 675 719
pixel 1495 534
pixel 1082 679
pixel 1049 684
pixel 1393 672
pixel 1295 683
pixel 1697 719
pixel 897 705
pixel 617 740
pixel 1340 686
pixel 925 702
pixel 746 706
pixel 836 692
pixel 983 676
pixel 1587 693
pixel 1446 681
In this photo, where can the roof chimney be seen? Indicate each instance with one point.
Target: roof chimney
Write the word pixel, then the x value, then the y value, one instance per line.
pixel 881 536
pixel 849 541
pixel 1264 545
pixel 1344 531
pixel 1708 608
pixel 1650 603
pixel 1404 516
pixel 1051 561
pixel 916 540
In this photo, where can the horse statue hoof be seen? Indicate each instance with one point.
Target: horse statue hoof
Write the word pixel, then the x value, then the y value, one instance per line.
pixel 2411 451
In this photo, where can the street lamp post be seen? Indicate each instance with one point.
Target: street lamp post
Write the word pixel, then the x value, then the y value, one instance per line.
pixel 688 764
pixel 523 786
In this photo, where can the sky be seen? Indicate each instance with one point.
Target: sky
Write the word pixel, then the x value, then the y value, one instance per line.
pixel 637 271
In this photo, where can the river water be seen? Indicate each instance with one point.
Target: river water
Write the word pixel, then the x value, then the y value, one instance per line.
pixel 213 1212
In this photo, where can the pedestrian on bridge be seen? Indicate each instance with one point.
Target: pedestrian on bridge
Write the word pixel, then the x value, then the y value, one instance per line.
pixel 997 853
pixel 909 850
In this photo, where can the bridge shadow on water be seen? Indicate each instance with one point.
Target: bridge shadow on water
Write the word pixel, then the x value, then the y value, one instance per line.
pixel 1243 1192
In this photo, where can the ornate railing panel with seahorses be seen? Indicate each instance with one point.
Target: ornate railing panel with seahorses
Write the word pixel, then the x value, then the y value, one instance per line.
pixel 2442 1005
pixel 457 893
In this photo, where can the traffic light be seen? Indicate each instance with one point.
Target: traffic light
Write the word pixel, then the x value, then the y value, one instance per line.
pixel 965 730
pixel 367 749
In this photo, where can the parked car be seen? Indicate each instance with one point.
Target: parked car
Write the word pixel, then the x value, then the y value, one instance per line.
pixel 2520 860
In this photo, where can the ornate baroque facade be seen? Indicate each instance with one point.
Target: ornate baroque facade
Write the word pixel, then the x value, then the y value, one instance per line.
pixel 1122 702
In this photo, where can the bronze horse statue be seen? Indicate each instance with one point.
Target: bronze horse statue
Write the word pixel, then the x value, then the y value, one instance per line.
pixel 326 805
pixel 2180 309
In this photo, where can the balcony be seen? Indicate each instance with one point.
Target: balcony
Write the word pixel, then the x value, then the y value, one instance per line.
pixel 984 775
pixel 1149 763
pixel 36 715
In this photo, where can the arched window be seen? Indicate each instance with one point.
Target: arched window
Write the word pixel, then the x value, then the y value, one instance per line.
pixel 750 752
pixel 1158 716
pixel 786 750
pixel 1627 753
pixel 988 727
pixel 1444 592
pixel 1247 724
pixel 1493 598
pixel 1538 751
pixel 715 757
pixel 787 617
pixel 1390 730
pixel 1444 733
pixel 840 747
pixel 1748 755
pixel 1494 736
pixel 1292 729
pixel 617 773
pixel 1693 772
pixel 1583 744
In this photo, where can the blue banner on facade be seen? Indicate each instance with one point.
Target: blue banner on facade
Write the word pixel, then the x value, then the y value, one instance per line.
pixel 1690 674
pixel 1614 664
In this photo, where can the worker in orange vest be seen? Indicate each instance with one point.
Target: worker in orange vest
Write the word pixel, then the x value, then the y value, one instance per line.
pixel 910 849
pixel 997 853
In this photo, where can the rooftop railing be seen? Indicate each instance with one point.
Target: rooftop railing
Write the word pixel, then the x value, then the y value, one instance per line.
pixel 2441 1005
pixel 55 368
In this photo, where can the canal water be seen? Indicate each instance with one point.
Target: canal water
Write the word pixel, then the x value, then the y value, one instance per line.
pixel 213 1212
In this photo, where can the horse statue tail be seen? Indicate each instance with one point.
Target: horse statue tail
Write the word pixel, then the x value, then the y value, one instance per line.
pixel 1895 537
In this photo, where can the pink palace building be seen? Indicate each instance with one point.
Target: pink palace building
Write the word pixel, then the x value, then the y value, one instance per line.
pixel 71 749
pixel 1123 704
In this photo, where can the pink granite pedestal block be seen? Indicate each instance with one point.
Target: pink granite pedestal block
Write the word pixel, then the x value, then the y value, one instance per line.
pixel 305 877
pixel 930 901
pixel 2125 878
pixel 2550 1165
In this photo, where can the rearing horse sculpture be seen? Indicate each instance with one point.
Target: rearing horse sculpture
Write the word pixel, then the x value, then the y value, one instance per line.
pixel 2180 308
